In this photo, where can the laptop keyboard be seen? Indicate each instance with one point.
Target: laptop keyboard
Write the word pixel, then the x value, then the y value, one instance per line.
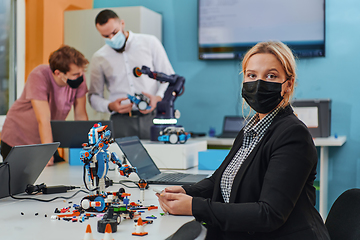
pixel 172 177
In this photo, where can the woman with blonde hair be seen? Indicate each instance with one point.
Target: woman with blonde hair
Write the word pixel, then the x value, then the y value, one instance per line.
pixel 264 187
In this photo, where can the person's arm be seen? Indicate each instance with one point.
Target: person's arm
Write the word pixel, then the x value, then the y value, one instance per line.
pixel 43 117
pixel 96 90
pixel 80 109
pixel 178 199
pixel 291 161
pixel 119 107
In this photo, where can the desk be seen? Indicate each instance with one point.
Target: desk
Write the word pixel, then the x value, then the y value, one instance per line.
pixel 175 156
pixel 13 225
pixel 214 142
pixel 323 143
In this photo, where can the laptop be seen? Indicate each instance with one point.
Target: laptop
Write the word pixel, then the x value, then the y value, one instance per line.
pixel 232 126
pixel 138 157
pixel 72 134
pixel 26 163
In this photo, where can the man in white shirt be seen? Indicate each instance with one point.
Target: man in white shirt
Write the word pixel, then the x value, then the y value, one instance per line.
pixel 112 66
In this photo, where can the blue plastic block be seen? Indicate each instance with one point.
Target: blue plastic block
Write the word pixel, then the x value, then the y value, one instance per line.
pixel 211 158
pixel 74 157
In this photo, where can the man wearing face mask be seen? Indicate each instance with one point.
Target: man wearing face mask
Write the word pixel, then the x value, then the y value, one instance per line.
pixel 50 92
pixel 112 66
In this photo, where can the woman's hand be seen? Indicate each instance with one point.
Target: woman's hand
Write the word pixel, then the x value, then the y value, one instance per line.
pixel 174 189
pixel 175 203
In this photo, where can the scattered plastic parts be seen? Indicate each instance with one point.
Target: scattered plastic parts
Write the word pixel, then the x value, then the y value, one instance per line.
pixel 75 213
pixel 88 233
pixel 64 210
pixel 151 217
pixel 152 207
pixel 145 221
pixel 142 184
pixel 108 233
pixel 139 230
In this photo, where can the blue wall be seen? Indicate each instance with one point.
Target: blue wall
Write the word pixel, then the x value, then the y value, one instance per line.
pixel 213 87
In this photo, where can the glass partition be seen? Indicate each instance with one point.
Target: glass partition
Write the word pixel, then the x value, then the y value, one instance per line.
pixel 7 61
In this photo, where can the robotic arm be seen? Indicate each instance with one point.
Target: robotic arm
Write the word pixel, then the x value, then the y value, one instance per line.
pixel 165 128
pixel 165 108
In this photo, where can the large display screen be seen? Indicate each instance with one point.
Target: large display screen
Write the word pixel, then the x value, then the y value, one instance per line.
pixel 228 28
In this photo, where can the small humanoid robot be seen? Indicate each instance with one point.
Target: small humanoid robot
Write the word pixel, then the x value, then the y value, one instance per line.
pixel 96 157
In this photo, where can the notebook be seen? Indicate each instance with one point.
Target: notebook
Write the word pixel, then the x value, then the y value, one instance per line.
pixel 72 134
pixel 138 157
pixel 26 163
pixel 232 126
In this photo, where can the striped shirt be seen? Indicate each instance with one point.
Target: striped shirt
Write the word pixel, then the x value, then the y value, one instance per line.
pixel 253 132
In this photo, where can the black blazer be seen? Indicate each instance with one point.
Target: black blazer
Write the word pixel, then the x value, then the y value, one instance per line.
pixel 272 195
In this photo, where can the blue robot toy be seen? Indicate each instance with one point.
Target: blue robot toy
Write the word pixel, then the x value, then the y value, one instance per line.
pixel 141 101
pixel 96 157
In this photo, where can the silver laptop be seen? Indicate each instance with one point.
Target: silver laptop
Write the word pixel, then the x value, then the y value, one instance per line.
pixel 26 164
pixel 138 157
pixel 232 126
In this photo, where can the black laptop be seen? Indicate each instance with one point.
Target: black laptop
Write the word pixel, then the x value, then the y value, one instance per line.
pixel 138 157
pixel 232 126
pixel 72 134
pixel 26 163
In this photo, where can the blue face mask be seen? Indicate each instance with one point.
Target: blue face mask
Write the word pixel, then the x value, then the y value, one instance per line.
pixel 117 41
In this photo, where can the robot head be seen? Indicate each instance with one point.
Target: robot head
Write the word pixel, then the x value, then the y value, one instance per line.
pixel 95 133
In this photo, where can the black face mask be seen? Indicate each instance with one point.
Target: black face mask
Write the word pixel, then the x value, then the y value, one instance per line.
pixel 262 96
pixel 75 83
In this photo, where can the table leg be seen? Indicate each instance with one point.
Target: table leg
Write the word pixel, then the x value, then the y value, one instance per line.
pixel 324 167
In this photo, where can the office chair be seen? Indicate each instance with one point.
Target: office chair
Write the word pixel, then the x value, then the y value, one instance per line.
pixel 192 230
pixel 343 220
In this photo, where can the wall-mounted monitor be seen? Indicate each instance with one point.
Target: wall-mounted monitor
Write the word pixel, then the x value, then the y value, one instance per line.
pixel 228 28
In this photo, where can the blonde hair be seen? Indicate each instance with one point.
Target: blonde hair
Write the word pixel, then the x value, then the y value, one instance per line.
pixel 285 56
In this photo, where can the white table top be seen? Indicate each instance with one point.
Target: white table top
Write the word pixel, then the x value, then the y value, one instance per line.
pixel 218 141
pixel 13 225
pixel 329 141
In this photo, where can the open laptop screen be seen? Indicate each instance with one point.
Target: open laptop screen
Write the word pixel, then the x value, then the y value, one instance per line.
pixel 233 124
pixel 138 157
pixel 26 163
pixel 72 134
